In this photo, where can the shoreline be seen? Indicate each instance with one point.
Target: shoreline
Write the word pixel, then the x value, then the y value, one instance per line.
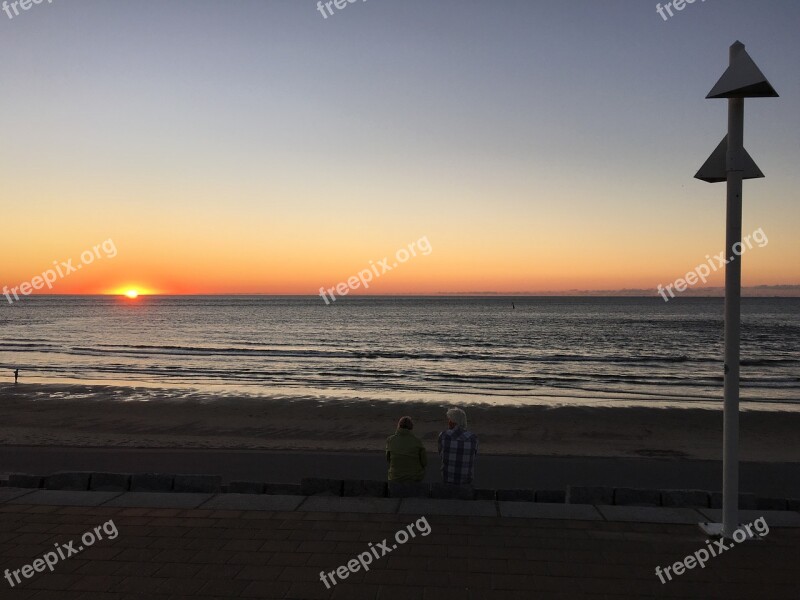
pixel 106 417
pixel 146 391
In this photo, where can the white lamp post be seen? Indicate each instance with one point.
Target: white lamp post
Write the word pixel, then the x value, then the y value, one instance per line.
pixel 730 162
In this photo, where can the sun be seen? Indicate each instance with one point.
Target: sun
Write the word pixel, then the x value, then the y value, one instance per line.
pixel 130 291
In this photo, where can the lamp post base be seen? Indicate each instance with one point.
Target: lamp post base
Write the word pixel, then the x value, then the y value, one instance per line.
pixel 715 530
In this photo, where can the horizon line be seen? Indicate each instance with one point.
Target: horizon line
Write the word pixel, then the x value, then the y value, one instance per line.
pixel 567 294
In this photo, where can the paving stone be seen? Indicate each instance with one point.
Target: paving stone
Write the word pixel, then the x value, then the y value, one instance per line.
pixel 310 591
pixel 110 482
pixel 266 589
pixel 546 510
pixel 315 486
pixel 746 501
pixel 9 493
pixel 245 487
pixel 452 492
pixel 637 497
pixel 22 480
pixel 349 505
pixel 580 494
pixel 685 498
pixel 551 496
pixel 96 583
pixel 409 490
pixel 366 488
pixel 283 489
pixel 771 503
pixel 253 502
pixel 429 506
pixel 76 482
pixel 202 484
pixel 152 482
pixel 64 498
pixel 515 495
pixel 483 494
pixel 774 518
pixel 223 588
pixel 159 500
pixel 176 587
pixel 651 514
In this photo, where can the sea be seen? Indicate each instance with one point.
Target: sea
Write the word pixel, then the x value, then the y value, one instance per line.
pixel 496 350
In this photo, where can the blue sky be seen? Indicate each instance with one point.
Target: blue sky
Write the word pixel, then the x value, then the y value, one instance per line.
pixel 512 133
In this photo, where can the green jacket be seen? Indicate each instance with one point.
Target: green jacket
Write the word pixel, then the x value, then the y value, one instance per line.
pixel 406 456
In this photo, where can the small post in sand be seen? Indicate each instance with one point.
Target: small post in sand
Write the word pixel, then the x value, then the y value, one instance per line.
pixel 731 163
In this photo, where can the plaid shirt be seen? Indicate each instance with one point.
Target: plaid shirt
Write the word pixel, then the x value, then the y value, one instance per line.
pixel 457 449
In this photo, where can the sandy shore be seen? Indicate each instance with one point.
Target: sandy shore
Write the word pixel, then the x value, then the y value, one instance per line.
pixel 99 416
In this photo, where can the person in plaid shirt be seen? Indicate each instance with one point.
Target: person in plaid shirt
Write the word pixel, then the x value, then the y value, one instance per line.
pixel 458 448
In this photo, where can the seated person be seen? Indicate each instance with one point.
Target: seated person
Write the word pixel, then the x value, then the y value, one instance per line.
pixel 405 454
pixel 458 448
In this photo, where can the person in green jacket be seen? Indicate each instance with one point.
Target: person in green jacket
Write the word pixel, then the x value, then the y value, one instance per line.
pixel 405 454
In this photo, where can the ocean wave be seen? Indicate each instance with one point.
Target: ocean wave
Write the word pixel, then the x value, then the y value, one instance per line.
pixel 107 350
pixel 761 362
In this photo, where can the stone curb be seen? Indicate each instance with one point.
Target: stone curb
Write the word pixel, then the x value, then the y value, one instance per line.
pixel 405 506
pixel 362 488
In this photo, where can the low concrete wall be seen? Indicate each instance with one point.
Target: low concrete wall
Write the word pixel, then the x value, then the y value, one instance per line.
pixel 212 484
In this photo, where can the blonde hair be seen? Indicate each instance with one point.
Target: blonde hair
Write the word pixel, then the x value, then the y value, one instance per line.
pixel 458 416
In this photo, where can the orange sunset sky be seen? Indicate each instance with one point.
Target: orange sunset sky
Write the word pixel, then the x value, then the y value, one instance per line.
pixel 536 152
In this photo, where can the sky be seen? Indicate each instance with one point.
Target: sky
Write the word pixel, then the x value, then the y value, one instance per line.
pixel 255 146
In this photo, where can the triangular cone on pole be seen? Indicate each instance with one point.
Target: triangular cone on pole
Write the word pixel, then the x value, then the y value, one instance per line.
pixel 730 162
pixel 715 170
pixel 742 79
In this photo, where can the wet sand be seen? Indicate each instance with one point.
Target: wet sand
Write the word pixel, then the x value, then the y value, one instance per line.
pixel 100 416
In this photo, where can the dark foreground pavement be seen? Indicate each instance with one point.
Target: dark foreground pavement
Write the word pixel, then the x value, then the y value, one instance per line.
pixel 278 552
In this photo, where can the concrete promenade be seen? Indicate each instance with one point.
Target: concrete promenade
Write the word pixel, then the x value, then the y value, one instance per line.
pixel 174 546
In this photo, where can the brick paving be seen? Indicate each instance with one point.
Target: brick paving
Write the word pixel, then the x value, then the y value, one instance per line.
pixel 174 553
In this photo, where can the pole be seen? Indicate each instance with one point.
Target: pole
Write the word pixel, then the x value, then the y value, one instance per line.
pixel 742 79
pixel 733 291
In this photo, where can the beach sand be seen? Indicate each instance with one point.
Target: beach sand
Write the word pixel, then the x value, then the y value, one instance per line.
pixel 100 416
